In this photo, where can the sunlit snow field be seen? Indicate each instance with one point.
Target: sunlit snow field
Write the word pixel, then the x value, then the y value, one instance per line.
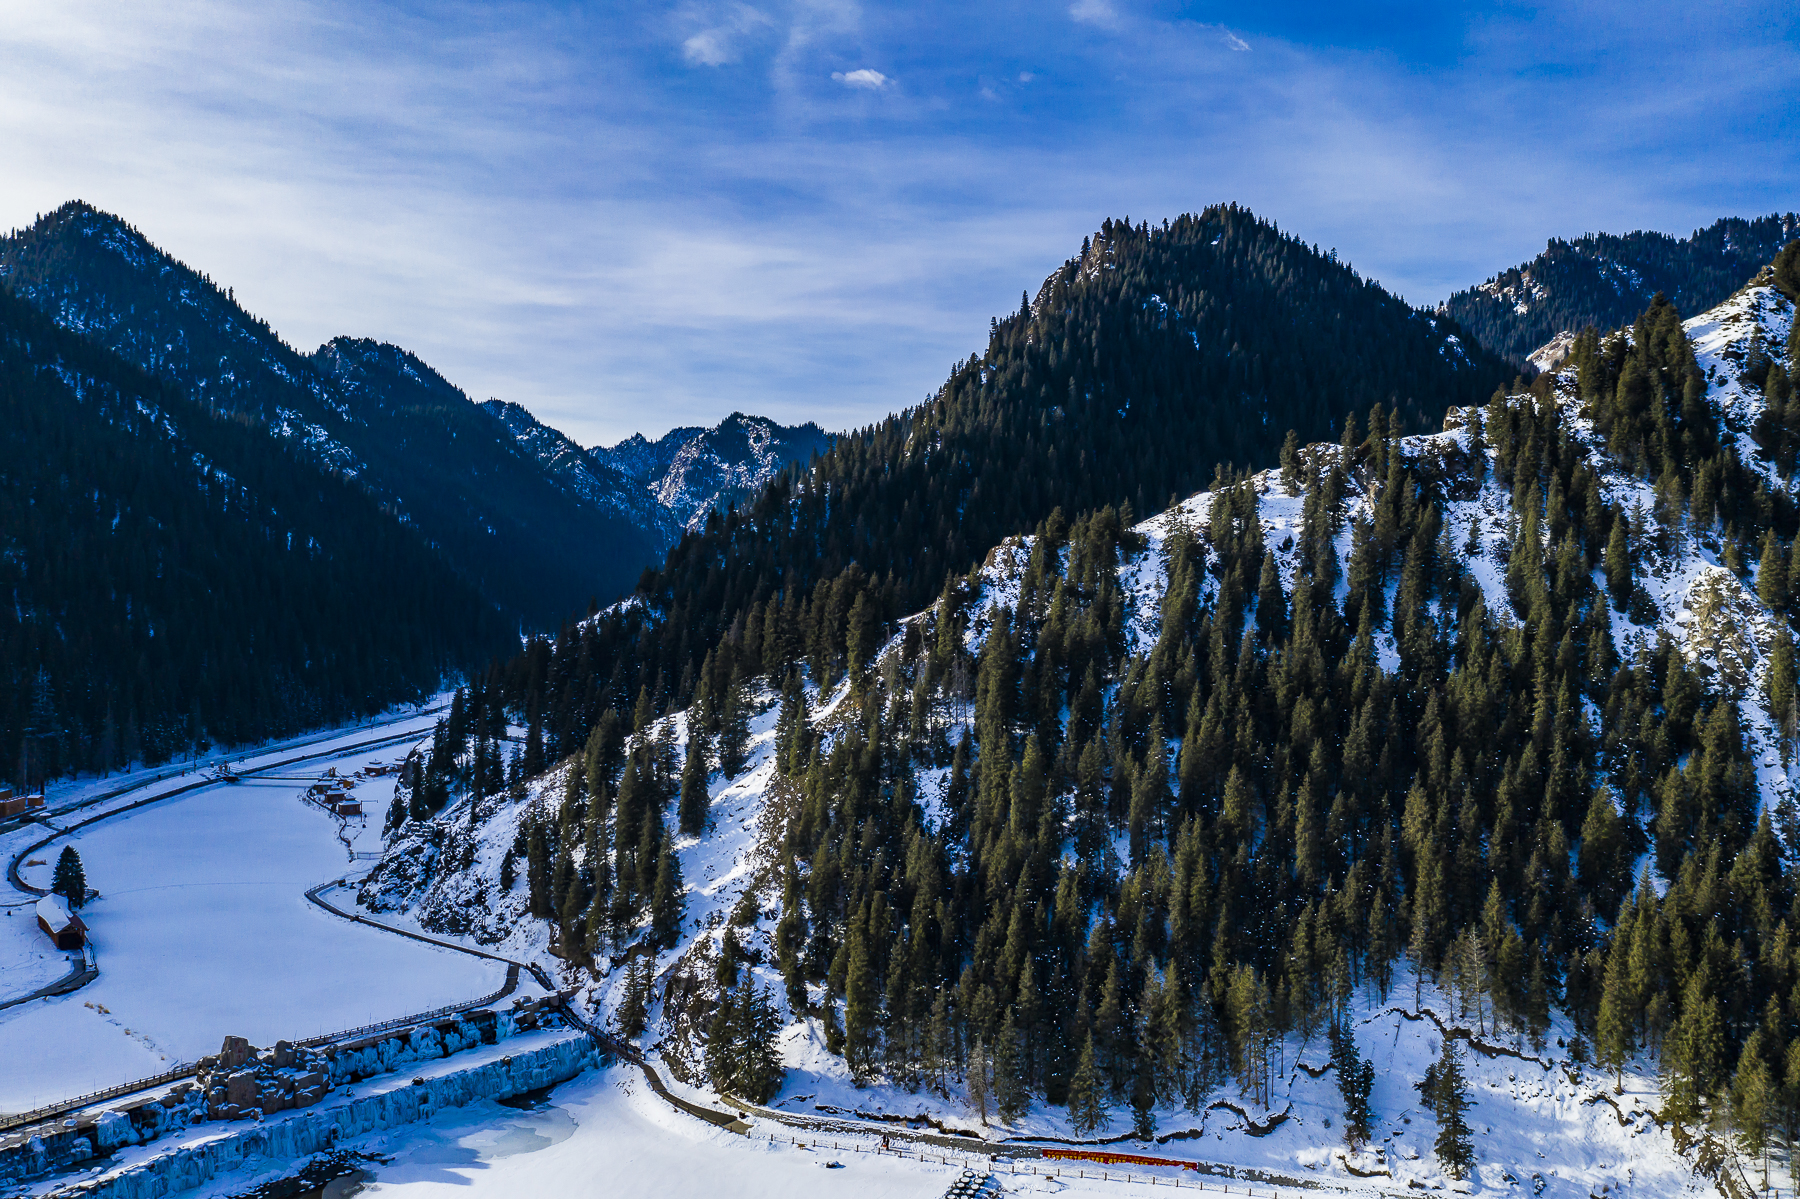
pixel 604 1133
pixel 202 930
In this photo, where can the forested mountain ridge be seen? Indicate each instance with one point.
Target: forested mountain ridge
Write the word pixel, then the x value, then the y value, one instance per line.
pixel 172 575
pixel 1147 360
pixel 1487 734
pixel 371 412
pixel 1605 280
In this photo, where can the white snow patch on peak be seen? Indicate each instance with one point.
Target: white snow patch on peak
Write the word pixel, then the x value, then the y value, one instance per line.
pixel 1552 353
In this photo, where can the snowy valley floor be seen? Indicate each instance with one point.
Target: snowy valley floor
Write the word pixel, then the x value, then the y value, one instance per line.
pixel 606 1133
pixel 202 930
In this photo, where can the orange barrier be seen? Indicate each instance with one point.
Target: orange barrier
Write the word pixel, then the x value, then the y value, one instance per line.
pixel 1117 1159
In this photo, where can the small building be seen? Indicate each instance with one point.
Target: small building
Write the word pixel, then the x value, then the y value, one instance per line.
pixel 349 807
pixel 14 805
pixel 59 923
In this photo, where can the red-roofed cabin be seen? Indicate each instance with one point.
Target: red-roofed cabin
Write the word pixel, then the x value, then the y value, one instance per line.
pixel 59 923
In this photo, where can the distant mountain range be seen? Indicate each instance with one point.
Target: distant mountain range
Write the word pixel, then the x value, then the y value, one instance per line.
pixel 172 576
pixel 537 525
pixel 1606 280
pixel 692 471
pixel 670 484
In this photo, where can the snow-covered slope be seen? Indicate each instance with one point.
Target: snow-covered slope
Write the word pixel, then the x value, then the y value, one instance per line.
pixel 1542 1117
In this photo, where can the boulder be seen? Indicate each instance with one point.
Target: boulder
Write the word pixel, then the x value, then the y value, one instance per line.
pixel 234 1053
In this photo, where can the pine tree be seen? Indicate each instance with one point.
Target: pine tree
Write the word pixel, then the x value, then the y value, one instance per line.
pixel 1355 1080
pixel 759 1072
pixel 634 1012
pixel 692 809
pixel 1290 462
pixel 1778 690
pixel 1087 1101
pixel 861 634
pixel 537 870
pixel 666 903
pixel 1753 1102
pixel 721 1051
pixel 1011 1098
pixel 1446 1093
pixel 734 735
pixel 1619 579
pixel 975 1074
pixel 860 998
pixel 1143 1098
pixel 1614 1032
pixel 70 880
pixel 1695 1052
pixel 1771 574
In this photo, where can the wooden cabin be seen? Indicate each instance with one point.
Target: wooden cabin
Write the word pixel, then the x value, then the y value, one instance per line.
pixel 14 805
pixel 59 923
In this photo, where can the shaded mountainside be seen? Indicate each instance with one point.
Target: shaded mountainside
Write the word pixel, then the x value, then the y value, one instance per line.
pixel 1499 720
pixel 371 412
pixel 1144 364
pixel 1605 280
pixel 588 474
pixel 172 574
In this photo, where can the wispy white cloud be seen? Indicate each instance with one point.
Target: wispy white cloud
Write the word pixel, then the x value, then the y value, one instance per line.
pixel 1235 42
pixel 570 208
pixel 863 78
pixel 722 39
pixel 1094 12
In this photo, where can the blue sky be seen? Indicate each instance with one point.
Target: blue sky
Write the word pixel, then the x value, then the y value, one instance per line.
pixel 633 216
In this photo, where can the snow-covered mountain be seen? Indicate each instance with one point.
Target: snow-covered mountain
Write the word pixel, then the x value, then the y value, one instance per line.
pixel 692 471
pixel 672 483
pixel 587 474
pixel 1543 1116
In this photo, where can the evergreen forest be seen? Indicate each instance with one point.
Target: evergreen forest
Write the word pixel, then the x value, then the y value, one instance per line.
pixel 174 576
pixel 1048 845
pixel 1150 359
pixel 441 464
pixel 1604 280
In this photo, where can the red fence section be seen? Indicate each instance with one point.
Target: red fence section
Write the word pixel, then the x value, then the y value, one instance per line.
pixel 1118 1159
